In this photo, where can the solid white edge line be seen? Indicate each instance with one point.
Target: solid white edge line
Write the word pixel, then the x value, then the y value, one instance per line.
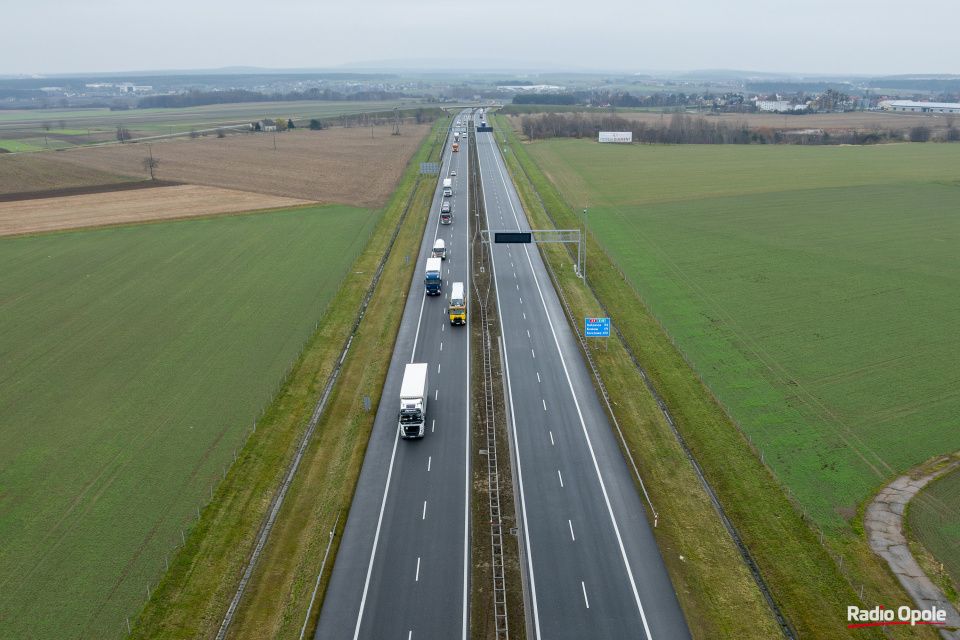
pixel 593 456
pixel 376 539
pixel 523 502
pixel 466 477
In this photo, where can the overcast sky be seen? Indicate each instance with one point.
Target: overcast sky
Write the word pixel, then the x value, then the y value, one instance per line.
pixel 877 37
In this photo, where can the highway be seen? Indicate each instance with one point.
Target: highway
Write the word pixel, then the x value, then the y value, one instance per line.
pixel 593 568
pixel 402 570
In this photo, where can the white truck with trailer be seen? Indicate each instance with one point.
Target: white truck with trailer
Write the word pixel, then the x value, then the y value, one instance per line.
pixel 413 401
pixel 447 187
pixel 440 249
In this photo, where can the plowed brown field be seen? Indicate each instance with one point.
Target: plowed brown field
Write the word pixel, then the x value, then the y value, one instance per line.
pixel 127 207
pixel 339 165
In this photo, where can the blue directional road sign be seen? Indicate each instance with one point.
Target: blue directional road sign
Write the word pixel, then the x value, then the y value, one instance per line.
pixel 596 327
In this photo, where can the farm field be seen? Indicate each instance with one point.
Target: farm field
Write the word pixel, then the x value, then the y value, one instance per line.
pixel 339 165
pixel 934 518
pixel 130 207
pixel 44 171
pixel 813 288
pixel 135 359
pixel 160 121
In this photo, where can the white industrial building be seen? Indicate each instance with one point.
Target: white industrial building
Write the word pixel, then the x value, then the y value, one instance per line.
pixel 918 107
pixel 778 105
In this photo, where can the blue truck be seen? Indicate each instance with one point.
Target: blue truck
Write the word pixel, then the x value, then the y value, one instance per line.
pixel 433 281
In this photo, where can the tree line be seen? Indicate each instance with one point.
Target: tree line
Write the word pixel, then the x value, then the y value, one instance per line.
pixel 196 98
pixel 681 128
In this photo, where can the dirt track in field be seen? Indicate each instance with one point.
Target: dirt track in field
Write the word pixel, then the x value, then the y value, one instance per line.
pixel 129 207
pixel 353 166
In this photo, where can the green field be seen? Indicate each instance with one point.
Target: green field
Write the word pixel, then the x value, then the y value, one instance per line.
pixel 934 518
pixel 815 290
pixel 160 121
pixel 134 360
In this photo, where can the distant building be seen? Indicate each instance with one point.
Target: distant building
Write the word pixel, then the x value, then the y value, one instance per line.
pixel 918 107
pixel 268 125
pixel 778 105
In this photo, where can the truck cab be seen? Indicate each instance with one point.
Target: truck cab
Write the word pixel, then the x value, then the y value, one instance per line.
pixel 439 249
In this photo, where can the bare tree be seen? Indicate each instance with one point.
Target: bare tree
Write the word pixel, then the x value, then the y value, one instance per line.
pixel 151 163
pixel 123 133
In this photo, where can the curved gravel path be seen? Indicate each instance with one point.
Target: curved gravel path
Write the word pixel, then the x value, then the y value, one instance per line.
pixel 883 523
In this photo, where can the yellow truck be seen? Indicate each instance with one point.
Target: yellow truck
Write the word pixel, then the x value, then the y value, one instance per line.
pixel 458 304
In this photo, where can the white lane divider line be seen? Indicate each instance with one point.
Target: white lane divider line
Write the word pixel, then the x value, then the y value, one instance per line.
pixel 534 354
pixel 429 460
pixel 560 476
pixel 417 579
pixel 572 537
pixel 438 371
pixel 433 425
pixel 425 514
pixel 538 376
pixel 437 394
pixel 585 601
pixel 524 316
pixel 528 333
pixel 544 403
pixel 551 439
pixel 441 344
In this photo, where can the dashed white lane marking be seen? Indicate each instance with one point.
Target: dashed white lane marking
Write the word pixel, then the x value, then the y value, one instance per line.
pixel 425 514
pixel 528 333
pixel 417 578
pixel 538 376
pixel 433 425
pixel 533 354
pixel 551 439
pixel 560 476
pixel 438 371
pixel 544 404
pixel 585 601
pixel 572 537
pixel 524 316
pixel 437 395
pixel 441 344
pixel 429 460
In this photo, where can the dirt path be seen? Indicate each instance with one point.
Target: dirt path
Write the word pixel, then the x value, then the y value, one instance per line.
pixel 883 523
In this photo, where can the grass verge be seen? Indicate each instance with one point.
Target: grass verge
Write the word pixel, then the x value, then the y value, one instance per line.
pixel 192 598
pixel 716 592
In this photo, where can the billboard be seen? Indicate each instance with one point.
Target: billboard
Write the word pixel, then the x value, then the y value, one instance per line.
pixel 616 136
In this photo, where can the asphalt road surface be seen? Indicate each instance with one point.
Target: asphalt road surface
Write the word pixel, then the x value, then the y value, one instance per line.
pixel 402 570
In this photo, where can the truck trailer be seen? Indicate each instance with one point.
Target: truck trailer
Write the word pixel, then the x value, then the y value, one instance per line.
pixel 432 280
pixel 413 401
pixel 458 304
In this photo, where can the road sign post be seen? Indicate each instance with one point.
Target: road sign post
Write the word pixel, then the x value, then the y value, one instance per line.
pixel 596 328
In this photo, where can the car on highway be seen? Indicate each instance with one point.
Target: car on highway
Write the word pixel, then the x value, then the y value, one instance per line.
pixel 445 207
pixel 454 172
